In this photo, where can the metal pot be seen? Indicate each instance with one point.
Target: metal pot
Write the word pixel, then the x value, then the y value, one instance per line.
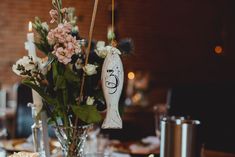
pixel 179 137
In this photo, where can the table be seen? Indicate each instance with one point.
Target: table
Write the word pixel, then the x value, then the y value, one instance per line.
pixel 13 146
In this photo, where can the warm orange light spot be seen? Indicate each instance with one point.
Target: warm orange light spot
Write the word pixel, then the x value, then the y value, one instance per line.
pixel 30 26
pixel 218 49
pixel 131 75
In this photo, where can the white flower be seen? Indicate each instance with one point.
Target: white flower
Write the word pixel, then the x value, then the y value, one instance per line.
pixel 75 29
pixel 43 65
pixel 90 69
pixel 78 64
pixel 90 100
pixel 45 26
pixel 101 51
pixel 27 62
pixel 24 66
pixel 100 44
pixel 113 50
pixel 24 154
pixel 82 42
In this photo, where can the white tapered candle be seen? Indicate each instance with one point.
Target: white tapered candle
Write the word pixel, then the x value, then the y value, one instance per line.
pixel 29 45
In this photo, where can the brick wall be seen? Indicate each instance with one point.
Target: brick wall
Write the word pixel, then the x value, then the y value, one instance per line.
pixel 173 40
pixel 15 16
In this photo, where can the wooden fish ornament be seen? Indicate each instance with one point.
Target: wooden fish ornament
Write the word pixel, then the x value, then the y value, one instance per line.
pixel 112 82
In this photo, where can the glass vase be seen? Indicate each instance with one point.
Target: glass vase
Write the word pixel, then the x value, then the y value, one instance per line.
pixel 38 138
pixel 72 139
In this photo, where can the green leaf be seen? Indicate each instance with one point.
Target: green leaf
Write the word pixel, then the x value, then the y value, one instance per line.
pixel 42 48
pixel 70 75
pixel 50 121
pixel 60 82
pixel 51 58
pixel 42 42
pixel 65 96
pixel 59 111
pixel 54 71
pixel 87 113
pixel 40 91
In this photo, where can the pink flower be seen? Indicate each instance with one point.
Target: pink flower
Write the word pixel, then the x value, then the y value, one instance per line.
pixel 54 15
pixel 65 45
pixel 59 34
pixel 64 10
pixel 67 27
pixel 51 38
pixel 70 46
pixel 63 55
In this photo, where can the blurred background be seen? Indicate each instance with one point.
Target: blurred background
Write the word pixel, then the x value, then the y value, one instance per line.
pixel 185 41
pixel 183 59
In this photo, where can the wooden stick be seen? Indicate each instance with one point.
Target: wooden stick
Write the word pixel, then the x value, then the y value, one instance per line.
pixel 88 52
pixel 91 30
pixel 89 46
pixel 72 147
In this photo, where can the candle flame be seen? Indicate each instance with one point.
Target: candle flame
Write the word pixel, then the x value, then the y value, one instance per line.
pixel 30 26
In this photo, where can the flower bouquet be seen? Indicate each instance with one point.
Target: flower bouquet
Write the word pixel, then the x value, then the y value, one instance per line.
pixel 68 79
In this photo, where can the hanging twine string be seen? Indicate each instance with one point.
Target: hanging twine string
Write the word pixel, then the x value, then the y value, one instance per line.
pixel 112 27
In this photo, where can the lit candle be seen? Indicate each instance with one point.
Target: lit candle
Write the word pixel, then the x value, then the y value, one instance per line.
pixel 130 83
pixel 29 45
